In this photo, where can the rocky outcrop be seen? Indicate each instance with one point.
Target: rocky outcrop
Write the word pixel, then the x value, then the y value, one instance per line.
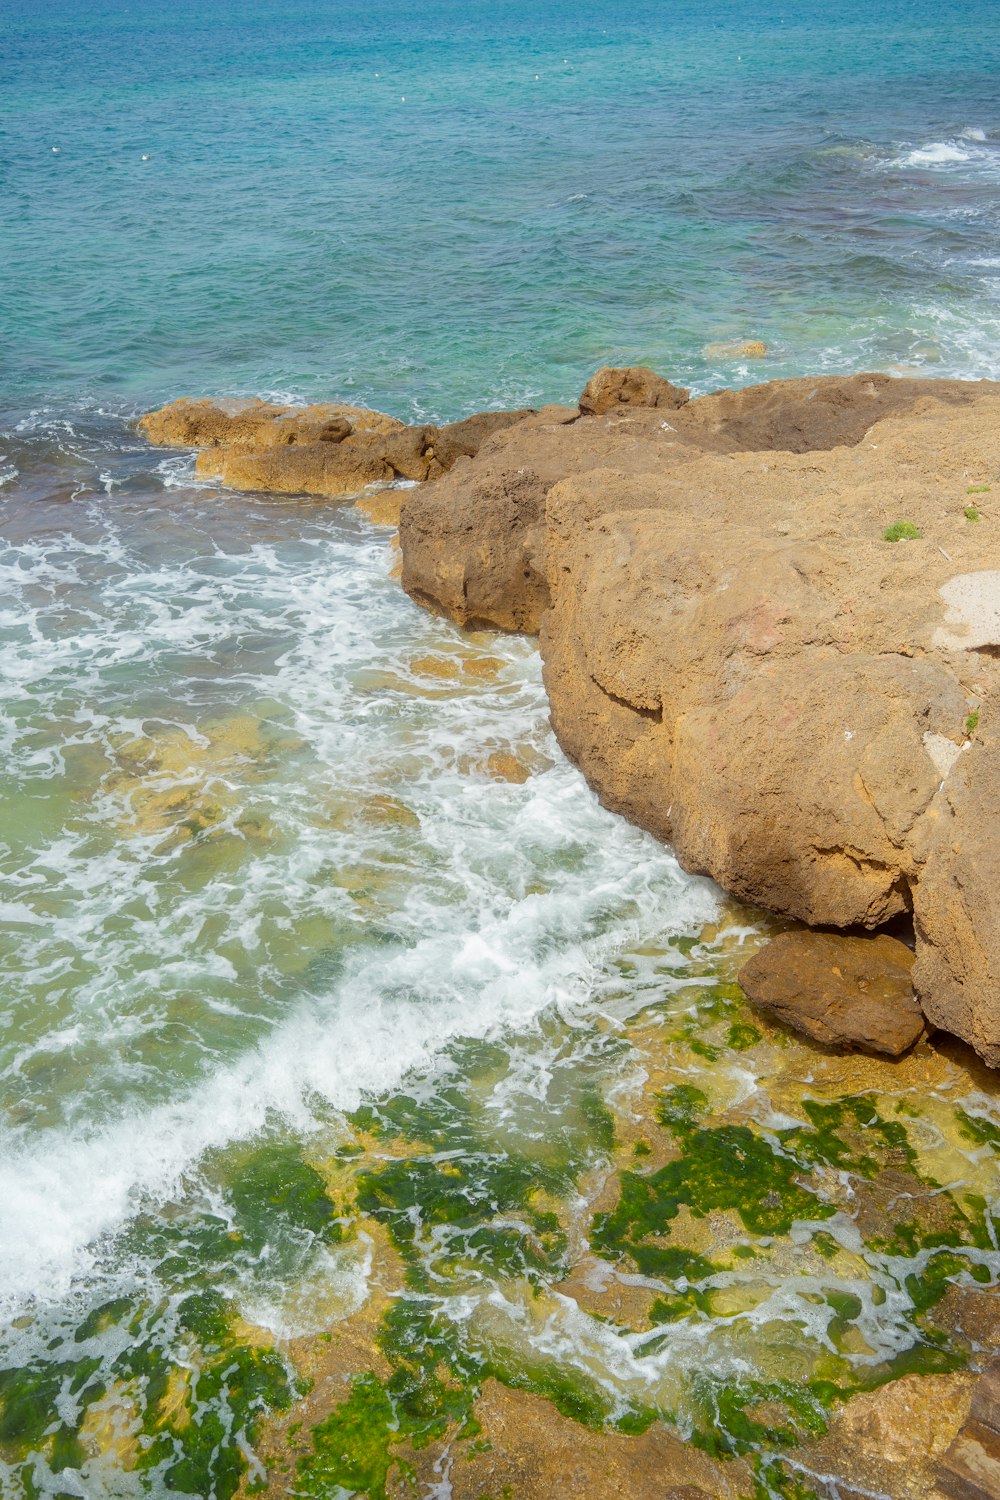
pixel 473 545
pixel 474 542
pixel 768 617
pixel 841 991
pixel 736 655
pixel 326 450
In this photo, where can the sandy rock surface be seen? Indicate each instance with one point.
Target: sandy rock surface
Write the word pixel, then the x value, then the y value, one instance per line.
pixel 958 911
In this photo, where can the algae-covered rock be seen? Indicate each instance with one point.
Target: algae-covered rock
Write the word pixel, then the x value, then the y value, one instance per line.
pixel 852 991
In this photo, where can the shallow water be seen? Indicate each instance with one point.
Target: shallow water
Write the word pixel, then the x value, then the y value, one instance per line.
pixel 331 998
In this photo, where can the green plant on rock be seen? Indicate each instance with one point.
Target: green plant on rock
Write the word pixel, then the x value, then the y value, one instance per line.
pixel 901 531
pixel 971 723
pixel 971 513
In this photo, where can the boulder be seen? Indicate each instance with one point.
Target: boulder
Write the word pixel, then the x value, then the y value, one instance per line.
pixel 838 990
pixel 611 388
pixel 739 662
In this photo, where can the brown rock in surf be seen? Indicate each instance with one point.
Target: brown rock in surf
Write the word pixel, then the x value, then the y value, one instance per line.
pixel 838 990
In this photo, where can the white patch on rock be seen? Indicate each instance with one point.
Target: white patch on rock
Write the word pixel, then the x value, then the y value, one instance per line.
pixel 942 751
pixel 973 601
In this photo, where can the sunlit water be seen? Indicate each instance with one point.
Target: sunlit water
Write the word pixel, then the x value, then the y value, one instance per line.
pixel 295 884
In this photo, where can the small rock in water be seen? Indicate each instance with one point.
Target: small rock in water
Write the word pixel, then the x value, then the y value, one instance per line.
pixel 847 991
pixel 748 349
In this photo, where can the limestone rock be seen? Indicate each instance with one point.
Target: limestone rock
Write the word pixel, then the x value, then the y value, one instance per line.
pixel 803 416
pixel 330 449
pixel 464 439
pixel 255 424
pixel 474 541
pixel 636 386
pixel 853 991
pixel 474 544
pixel 957 913
pixel 739 663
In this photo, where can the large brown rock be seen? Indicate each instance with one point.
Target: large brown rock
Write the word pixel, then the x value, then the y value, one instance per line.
pixel 838 990
pixel 740 663
pixel 474 542
pixel 958 911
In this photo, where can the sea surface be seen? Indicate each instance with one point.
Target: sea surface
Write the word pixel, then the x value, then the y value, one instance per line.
pixel 290 869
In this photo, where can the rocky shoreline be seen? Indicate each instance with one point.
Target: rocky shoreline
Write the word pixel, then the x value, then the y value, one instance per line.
pixel 769 621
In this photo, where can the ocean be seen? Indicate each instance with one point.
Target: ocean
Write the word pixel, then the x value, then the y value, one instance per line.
pixel 296 886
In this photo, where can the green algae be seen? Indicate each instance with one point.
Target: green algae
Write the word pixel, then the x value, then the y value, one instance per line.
pixel 464 1206
pixel 351 1447
pixel 727 1167
pixel 849 1135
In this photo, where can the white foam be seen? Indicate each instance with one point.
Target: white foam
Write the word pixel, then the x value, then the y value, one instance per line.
pixel 491 901
pixel 938 153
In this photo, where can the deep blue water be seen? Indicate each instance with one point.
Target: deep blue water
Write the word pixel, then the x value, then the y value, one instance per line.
pixel 441 206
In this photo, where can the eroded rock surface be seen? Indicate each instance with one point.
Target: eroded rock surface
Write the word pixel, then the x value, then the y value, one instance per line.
pixel 474 544
pixel 970 1469
pixel 637 386
pixel 330 449
pixel 853 991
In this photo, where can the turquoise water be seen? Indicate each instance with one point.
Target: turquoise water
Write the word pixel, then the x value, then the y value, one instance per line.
pixel 562 186
pixel 298 894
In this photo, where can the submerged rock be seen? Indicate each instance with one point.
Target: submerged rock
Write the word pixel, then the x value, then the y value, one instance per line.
pixel 853 991
pixel 890 1441
pixel 528 1448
